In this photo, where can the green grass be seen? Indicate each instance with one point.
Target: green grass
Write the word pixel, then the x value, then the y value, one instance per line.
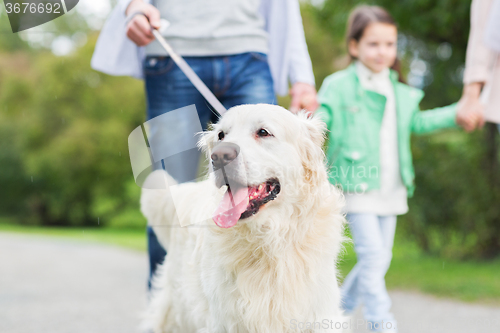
pixel 410 268
pixel 132 238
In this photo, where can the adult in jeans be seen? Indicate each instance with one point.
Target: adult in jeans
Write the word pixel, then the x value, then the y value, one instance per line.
pixel 245 51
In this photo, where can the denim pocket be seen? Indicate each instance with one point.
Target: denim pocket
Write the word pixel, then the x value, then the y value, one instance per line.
pixel 259 56
pixel 157 65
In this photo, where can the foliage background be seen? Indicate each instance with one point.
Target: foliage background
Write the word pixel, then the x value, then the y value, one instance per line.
pixel 64 129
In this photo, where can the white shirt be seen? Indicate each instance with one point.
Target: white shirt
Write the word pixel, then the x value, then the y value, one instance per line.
pixel 391 198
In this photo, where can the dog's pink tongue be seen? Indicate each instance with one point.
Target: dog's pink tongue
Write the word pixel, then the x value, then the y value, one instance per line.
pixel 232 205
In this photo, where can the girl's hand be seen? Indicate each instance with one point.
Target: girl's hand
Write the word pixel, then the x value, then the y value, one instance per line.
pixel 139 28
pixel 303 97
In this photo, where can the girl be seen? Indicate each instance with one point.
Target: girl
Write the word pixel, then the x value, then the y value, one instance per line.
pixel 370 116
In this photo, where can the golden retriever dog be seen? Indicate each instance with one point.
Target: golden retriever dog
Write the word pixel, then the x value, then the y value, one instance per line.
pixel 253 248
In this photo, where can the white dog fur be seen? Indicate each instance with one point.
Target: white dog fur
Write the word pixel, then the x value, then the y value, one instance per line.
pixel 272 272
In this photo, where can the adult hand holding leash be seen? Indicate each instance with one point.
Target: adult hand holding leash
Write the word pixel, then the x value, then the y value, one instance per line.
pixel 144 25
pixel 141 17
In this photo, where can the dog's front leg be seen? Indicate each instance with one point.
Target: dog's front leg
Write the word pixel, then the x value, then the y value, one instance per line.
pixel 157 205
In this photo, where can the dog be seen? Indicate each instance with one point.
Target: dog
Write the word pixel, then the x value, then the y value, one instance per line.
pixel 265 262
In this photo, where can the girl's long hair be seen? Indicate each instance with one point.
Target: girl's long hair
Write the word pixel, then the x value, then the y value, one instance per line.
pixel 360 18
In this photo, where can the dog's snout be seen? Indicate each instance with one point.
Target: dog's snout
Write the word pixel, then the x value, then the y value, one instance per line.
pixel 223 154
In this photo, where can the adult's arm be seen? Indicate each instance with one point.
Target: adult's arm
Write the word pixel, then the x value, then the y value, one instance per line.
pixel 300 66
pixel 479 57
pixel 477 67
pixel 492 34
pixel 303 91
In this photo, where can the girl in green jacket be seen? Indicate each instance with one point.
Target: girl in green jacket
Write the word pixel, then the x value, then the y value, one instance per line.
pixel 370 116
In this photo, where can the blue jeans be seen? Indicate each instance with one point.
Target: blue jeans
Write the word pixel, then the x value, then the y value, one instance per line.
pixel 373 238
pixel 235 79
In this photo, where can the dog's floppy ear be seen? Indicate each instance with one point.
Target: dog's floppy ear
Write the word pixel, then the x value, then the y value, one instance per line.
pixel 311 142
pixel 315 127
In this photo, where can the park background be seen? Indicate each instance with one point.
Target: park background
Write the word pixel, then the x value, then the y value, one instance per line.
pixel 65 168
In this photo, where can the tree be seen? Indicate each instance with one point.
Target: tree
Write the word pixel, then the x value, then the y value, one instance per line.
pixel 65 128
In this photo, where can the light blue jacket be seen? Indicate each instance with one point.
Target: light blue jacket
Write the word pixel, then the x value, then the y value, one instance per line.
pixel 288 57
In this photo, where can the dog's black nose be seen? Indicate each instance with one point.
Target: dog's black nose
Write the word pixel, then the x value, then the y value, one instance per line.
pixel 223 154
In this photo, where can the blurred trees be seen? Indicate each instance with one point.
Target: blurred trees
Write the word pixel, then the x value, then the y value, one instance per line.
pixel 64 130
pixel 455 212
pixel 433 31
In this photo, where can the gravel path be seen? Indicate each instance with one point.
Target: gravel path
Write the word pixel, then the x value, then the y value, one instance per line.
pixel 419 313
pixel 50 285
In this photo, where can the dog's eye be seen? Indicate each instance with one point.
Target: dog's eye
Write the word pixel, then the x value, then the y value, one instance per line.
pixel 263 132
pixel 221 135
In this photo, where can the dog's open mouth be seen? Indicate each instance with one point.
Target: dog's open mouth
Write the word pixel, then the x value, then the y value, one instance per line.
pixel 240 202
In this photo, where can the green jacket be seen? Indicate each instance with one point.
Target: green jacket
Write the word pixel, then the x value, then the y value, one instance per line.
pixel 353 116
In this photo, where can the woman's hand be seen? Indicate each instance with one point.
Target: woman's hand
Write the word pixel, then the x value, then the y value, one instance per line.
pixel 303 97
pixel 470 108
pixel 139 28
